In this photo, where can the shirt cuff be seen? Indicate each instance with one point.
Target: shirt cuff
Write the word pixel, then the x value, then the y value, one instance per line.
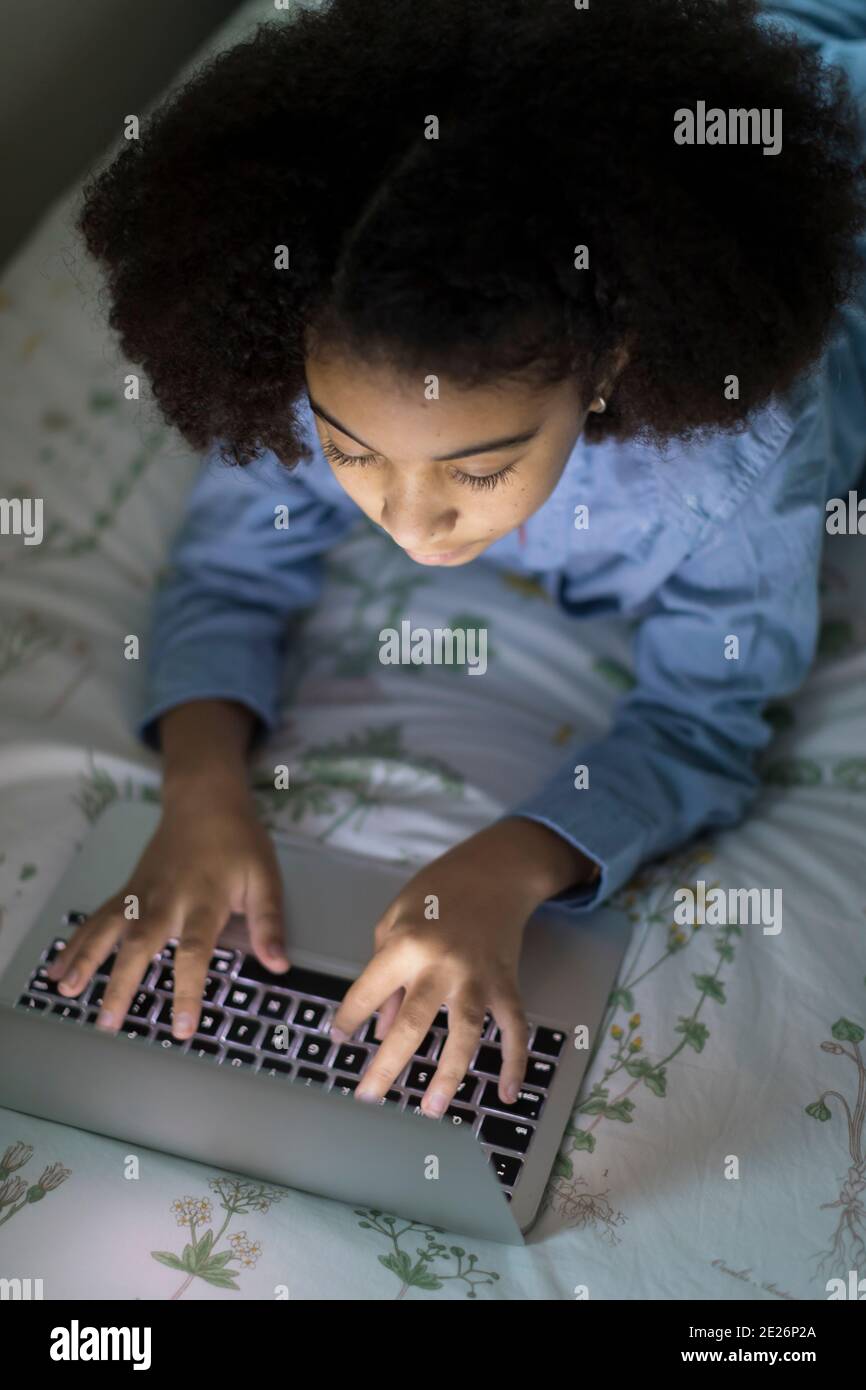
pixel 247 674
pixel 598 823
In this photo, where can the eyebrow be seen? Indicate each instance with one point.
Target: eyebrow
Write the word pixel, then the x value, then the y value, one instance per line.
pixel 490 447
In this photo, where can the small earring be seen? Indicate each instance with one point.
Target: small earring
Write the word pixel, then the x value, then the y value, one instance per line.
pixel 602 405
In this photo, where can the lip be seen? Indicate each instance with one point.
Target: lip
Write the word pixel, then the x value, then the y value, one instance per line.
pixel 445 557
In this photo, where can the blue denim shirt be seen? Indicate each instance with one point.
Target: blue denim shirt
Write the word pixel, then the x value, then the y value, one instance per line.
pixel 697 544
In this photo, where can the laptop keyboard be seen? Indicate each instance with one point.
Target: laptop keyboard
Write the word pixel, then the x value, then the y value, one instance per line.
pixel 279 1025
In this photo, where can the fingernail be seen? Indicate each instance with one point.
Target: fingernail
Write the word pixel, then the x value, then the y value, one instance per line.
pixel 435 1103
pixel 366 1096
pixel 71 980
pixel 511 1091
pixel 106 1019
pixel 277 953
pixel 183 1023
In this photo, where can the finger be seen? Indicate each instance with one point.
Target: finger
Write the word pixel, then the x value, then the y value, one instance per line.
pixel 507 1010
pixel 416 1014
pixel 92 943
pixel 265 920
pixel 143 939
pixel 377 981
pixel 388 1013
pixel 198 936
pixel 465 1022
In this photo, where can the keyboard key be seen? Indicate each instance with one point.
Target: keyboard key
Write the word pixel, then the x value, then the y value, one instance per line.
pixel 96 994
pixel 507 1168
pixel 466 1090
pixel 313 1049
pixel 200 1048
pixel 369 1035
pixel 74 919
pixel 253 970
pixel 66 1011
pixel 308 1014
pixel 301 981
pixel 419 1076
pixel 426 1046
pixel 239 997
pixel 237 1057
pixel 222 962
pixel 141 1005
pixel 92 1016
pixel 278 1038
pixel 210 1023
pixel 40 984
pixel 54 950
pixel 350 1058
pixel 539 1073
pixel 166 1039
pixel 274 1005
pixel 489 1060
pixel 312 1076
pixel 548 1042
pixel 505 1134
pixel 164 1015
pixel 133 1029
pixel 441 1019
pixel 527 1106
pixel 345 1084
pixel 413 1105
pixel 26 1002
pixel 274 1068
pixel 459 1115
pixel 165 980
pixel 244 1031
pixel 213 988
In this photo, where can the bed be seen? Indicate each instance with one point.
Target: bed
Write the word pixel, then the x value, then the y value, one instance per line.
pixel 717 1148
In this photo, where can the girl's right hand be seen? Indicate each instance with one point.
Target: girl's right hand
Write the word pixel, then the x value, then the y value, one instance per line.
pixel 209 857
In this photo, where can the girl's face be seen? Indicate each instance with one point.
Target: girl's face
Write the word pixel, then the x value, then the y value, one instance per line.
pixel 448 477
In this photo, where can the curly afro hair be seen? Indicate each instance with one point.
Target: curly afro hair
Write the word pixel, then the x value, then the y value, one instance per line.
pixel 456 254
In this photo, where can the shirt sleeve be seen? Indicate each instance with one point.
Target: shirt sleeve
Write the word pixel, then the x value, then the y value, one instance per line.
pixel 248 555
pixel 734 627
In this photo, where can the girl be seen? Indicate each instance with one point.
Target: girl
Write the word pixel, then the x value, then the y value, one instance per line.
pixel 570 288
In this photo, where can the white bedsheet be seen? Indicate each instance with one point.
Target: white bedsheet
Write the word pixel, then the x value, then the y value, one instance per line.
pixel 717 1147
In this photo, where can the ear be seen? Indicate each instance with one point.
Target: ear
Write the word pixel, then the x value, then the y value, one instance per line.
pixel 618 358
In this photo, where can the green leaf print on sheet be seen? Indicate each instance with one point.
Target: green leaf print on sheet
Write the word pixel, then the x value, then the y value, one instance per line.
pixel 529 586
pixel 200 1258
pixel 847 1248
pixel 614 673
pixel 16 1192
pixel 99 789
pixel 26 637
pixel 61 539
pixel 381 598
pixel 430 1269
pixel 347 779
pixel 630 1074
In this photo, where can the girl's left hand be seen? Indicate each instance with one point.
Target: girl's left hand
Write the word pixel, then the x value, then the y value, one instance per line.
pixel 452 936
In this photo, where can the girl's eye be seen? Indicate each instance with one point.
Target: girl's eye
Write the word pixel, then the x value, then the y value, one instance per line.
pixel 486 480
pixel 489 480
pixel 330 449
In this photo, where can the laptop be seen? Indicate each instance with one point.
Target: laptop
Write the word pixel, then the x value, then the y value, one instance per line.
pixel 262 1090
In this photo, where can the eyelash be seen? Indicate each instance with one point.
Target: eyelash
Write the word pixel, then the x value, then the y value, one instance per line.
pixel 490 480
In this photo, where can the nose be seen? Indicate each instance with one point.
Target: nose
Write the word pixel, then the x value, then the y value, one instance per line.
pixel 414 517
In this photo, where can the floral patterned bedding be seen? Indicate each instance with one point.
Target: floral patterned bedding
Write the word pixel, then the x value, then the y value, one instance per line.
pixel 717 1147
